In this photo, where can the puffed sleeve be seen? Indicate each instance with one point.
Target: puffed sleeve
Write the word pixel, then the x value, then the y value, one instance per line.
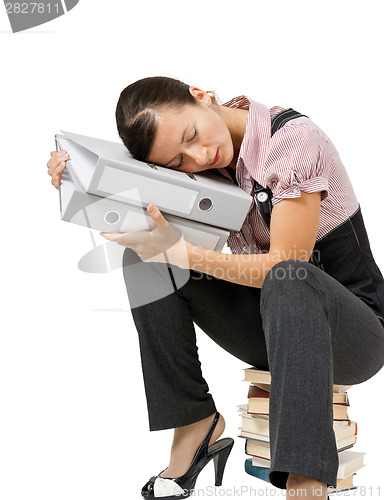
pixel 299 160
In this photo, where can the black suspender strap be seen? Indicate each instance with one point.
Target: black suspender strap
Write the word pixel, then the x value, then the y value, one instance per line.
pixel 282 118
pixel 264 201
pixel 264 194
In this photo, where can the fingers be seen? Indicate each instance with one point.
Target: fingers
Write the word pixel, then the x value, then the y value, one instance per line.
pixel 130 240
pixel 57 157
pixel 56 176
pixel 156 215
pixel 56 165
pixel 118 237
pixel 109 236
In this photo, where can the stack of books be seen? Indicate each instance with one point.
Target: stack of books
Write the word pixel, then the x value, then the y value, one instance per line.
pixel 255 430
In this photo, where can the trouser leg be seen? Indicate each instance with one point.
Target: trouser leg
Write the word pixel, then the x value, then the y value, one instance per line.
pixel 317 333
pixel 176 391
pixel 165 304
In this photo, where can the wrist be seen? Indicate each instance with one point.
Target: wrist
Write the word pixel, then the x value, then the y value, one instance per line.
pixel 180 254
pixel 191 254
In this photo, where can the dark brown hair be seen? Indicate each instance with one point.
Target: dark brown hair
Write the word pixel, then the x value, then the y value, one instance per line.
pixel 137 106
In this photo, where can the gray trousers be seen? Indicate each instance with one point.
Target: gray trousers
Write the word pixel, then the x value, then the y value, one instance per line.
pixel 304 326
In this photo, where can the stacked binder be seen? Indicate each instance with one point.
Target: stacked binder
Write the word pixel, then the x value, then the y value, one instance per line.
pixel 104 188
pixel 255 430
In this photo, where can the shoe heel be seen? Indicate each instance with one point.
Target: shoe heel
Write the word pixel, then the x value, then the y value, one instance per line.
pixel 220 460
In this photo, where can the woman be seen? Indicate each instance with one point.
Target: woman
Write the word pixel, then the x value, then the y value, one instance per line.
pixel 300 295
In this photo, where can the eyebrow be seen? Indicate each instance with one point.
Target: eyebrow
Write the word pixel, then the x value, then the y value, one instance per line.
pixel 181 142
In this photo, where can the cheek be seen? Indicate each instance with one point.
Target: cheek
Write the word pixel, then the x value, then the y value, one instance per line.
pixel 218 132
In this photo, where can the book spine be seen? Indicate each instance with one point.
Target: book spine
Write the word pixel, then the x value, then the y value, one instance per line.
pixel 253 470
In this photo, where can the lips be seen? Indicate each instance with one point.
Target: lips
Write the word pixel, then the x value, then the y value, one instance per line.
pixel 216 159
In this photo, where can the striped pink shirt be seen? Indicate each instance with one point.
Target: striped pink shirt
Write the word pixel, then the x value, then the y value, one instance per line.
pixel 299 157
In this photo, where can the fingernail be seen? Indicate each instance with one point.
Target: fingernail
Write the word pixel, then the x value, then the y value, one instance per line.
pixel 150 208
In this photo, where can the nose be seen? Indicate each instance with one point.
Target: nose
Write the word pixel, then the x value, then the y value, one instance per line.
pixel 199 154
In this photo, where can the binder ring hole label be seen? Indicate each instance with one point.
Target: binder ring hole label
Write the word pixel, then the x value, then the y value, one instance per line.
pixel 205 204
pixel 112 217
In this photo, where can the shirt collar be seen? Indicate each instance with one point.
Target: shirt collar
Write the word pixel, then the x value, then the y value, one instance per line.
pixel 255 145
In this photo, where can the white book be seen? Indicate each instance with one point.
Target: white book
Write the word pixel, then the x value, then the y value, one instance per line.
pixel 261 462
pixel 349 463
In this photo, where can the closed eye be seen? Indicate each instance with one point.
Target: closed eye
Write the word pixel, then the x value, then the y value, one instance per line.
pixel 194 135
pixel 182 157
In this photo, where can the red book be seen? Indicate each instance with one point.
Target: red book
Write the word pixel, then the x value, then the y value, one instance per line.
pixel 258 400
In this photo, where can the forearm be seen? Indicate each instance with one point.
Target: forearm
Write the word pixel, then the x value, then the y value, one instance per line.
pixel 243 269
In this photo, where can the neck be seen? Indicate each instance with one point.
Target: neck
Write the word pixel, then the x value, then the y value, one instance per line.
pixel 236 121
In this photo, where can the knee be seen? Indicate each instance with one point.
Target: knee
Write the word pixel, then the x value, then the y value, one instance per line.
pixel 287 271
pixel 147 282
pixel 130 257
pixel 286 277
pixel 131 263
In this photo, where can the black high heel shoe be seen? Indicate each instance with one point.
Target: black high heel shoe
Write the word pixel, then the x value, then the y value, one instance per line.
pixel 172 488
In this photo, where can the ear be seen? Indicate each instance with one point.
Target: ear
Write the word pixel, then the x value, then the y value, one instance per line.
pixel 201 95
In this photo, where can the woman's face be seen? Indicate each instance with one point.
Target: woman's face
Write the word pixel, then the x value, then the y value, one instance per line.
pixel 192 138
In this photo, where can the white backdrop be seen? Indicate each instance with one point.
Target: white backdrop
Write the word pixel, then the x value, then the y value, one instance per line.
pixel 73 418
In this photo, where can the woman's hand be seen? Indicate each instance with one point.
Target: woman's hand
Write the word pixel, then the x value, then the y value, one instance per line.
pixel 163 244
pixel 56 165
